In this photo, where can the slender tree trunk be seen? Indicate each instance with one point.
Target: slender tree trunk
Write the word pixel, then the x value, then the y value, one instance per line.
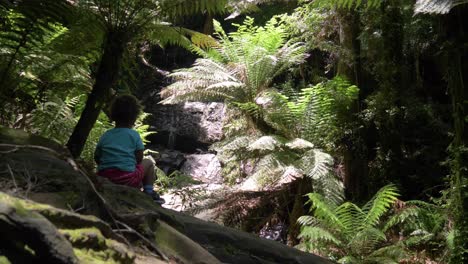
pixel 457 68
pixel 105 78
pixel 301 188
pixel 349 62
pixel 391 86
pixel 208 27
pixel 349 67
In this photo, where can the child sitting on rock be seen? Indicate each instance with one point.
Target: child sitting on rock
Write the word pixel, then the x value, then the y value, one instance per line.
pixel 119 152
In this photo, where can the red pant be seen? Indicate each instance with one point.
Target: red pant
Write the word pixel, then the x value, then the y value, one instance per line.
pixel 133 179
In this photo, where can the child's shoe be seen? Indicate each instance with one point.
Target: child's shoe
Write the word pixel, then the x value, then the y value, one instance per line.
pixel 148 189
pixel 156 198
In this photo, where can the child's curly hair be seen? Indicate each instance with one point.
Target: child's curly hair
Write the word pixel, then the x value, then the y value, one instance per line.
pixel 125 109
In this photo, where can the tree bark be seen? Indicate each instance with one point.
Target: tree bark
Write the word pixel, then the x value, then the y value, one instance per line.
pixel 349 67
pixel 391 86
pixel 106 77
pixel 208 27
pixel 457 68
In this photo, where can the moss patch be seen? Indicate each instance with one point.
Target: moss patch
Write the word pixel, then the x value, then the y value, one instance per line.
pixel 4 260
pixel 90 246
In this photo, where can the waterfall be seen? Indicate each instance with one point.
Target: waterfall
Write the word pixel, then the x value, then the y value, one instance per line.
pixel 171 138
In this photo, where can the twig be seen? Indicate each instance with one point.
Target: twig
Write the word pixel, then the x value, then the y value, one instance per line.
pixel 9 151
pixel 12 176
pixel 83 206
pixel 29 180
pixel 17 147
pixel 147 241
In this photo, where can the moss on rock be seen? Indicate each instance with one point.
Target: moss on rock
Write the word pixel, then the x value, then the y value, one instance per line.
pixel 90 246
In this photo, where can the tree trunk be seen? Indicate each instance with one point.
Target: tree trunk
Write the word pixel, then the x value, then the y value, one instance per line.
pixel 457 68
pixel 105 78
pixel 391 86
pixel 349 67
pixel 208 27
pixel 350 58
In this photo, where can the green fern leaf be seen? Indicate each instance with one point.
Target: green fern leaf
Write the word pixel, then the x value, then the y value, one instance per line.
pixel 314 233
pixel 380 204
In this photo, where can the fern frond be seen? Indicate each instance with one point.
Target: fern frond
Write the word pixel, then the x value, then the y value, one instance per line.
pixel 325 211
pixel 348 259
pixel 320 166
pixel 299 143
pixel 348 3
pixel 317 165
pixel 406 215
pixel 317 234
pixel 366 240
pixel 307 220
pixel 436 6
pixel 418 238
pixel 379 204
pixel 180 8
pixel 351 216
pixel 266 144
pixel 389 254
pixel 236 144
pixel 206 80
pixel 55 118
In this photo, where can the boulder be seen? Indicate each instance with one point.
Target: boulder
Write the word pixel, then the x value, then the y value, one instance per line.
pixel 203 167
pixel 200 122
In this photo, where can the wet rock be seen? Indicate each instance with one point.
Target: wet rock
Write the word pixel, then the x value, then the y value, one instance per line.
pixel 276 232
pixel 200 122
pixel 169 160
pixel 203 167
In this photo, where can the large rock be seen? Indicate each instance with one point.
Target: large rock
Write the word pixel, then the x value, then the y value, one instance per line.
pixel 203 167
pixel 198 121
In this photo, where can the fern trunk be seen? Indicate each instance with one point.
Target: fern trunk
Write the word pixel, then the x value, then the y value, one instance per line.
pixel 106 77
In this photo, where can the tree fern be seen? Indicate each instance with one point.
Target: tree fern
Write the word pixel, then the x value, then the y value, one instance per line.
pixel 320 110
pixel 237 69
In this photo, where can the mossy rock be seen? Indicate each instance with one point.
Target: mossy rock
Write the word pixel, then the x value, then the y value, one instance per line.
pixel 20 137
pixel 36 225
pixel 90 244
pixel 32 164
pixel 180 246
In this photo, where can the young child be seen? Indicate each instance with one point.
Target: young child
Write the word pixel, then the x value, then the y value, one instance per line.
pixel 119 152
